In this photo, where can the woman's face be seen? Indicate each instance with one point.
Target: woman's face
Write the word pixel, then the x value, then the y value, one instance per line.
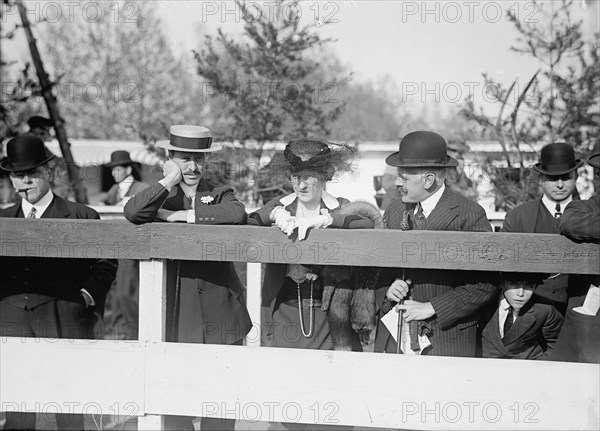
pixel 308 189
pixel 119 173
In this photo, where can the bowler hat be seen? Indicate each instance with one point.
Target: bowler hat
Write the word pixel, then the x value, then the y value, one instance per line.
pixel 421 149
pixel 557 159
pixel 119 158
pixel 39 122
pixel 24 153
pixel 189 139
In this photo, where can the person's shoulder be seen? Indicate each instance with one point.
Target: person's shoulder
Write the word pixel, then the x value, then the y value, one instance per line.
pixel 80 210
pixel 466 203
pixel 525 207
pixel 219 189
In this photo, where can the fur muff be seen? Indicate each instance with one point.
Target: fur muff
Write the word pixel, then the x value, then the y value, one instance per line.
pixel 349 295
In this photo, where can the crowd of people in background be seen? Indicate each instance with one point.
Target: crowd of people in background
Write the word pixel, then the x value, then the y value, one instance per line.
pixel 392 310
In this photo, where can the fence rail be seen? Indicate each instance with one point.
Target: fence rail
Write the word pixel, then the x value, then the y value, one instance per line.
pixel 149 378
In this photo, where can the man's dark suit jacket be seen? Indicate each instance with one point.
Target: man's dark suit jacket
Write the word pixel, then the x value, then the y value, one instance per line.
pixel 581 220
pixel 456 296
pixel 527 218
pixel 206 304
pixel 532 335
pixel 50 278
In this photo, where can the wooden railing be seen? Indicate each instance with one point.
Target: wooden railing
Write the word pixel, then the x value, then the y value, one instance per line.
pixel 150 378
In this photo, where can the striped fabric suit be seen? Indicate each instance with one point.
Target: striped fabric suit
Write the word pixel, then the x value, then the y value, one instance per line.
pixel 456 296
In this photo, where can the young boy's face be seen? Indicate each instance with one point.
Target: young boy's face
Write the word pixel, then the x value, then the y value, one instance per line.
pixel 518 293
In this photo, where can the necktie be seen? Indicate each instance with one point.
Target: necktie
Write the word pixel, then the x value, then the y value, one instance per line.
pixel 32 213
pixel 419 217
pixel 557 212
pixel 509 321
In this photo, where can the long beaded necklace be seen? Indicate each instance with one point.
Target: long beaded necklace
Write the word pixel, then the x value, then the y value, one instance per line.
pixel 311 312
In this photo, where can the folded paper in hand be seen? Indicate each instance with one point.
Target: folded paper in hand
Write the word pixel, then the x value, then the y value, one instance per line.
pixel 592 302
pixel 390 320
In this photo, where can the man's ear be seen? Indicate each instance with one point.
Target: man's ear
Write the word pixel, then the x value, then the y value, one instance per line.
pixel 49 173
pixel 429 181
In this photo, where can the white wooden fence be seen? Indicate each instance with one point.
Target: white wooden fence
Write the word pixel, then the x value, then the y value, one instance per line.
pixel 150 378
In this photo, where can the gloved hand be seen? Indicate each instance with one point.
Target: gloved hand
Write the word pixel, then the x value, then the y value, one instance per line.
pixel 283 220
pixel 316 222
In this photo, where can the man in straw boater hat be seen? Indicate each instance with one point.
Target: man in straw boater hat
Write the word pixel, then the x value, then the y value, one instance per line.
pixel 439 307
pixel 41 297
pixel 207 297
pixel 557 169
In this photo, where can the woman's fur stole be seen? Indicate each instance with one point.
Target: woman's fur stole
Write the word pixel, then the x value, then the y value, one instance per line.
pixel 349 292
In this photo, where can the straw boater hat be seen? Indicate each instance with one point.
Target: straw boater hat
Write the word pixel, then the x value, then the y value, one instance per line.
pixel 24 153
pixel 557 159
pixel 422 149
pixel 189 139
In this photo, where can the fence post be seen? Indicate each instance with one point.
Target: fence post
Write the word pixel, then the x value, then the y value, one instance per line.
pixel 253 301
pixel 152 318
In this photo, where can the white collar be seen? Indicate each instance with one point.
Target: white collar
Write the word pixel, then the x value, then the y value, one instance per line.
pixel 504 304
pixel 327 198
pixel 431 202
pixel 550 204
pixel 189 191
pixel 40 206
pixel 125 185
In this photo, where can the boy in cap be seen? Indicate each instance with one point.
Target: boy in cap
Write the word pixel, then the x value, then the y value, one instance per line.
pixel 42 297
pixel 522 325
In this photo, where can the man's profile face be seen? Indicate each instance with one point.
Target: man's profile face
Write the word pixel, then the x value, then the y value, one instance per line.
pixel 518 293
pixel 559 187
pixel 191 165
pixel 411 184
pixel 32 185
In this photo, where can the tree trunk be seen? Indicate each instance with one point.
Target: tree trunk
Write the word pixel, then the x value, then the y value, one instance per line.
pixel 52 105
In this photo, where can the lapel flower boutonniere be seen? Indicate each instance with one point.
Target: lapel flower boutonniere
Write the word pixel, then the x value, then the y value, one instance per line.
pixel 206 199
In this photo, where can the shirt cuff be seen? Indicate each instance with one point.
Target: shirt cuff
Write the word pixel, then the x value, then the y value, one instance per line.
pixel 86 293
pixel 164 184
pixel 191 216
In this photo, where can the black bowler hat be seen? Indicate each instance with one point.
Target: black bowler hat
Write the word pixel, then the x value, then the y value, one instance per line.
pixel 24 153
pixel 421 149
pixel 120 158
pixel 189 139
pixel 557 159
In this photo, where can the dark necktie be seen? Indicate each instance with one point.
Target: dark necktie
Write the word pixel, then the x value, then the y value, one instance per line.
pixel 509 321
pixel 32 213
pixel 419 217
pixel 557 212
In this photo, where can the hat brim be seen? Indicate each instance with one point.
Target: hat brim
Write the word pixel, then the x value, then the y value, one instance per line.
pixel 5 165
pixel 122 163
pixel 594 160
pixel 167 146
pixel 538 168
pixel 394 160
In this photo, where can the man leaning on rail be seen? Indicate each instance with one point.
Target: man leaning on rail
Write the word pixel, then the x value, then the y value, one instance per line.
pixel 439 307
pixel 208 297
pixel 41 297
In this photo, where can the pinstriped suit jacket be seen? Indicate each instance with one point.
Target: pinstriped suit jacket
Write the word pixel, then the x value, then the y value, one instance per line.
pixel 456 296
